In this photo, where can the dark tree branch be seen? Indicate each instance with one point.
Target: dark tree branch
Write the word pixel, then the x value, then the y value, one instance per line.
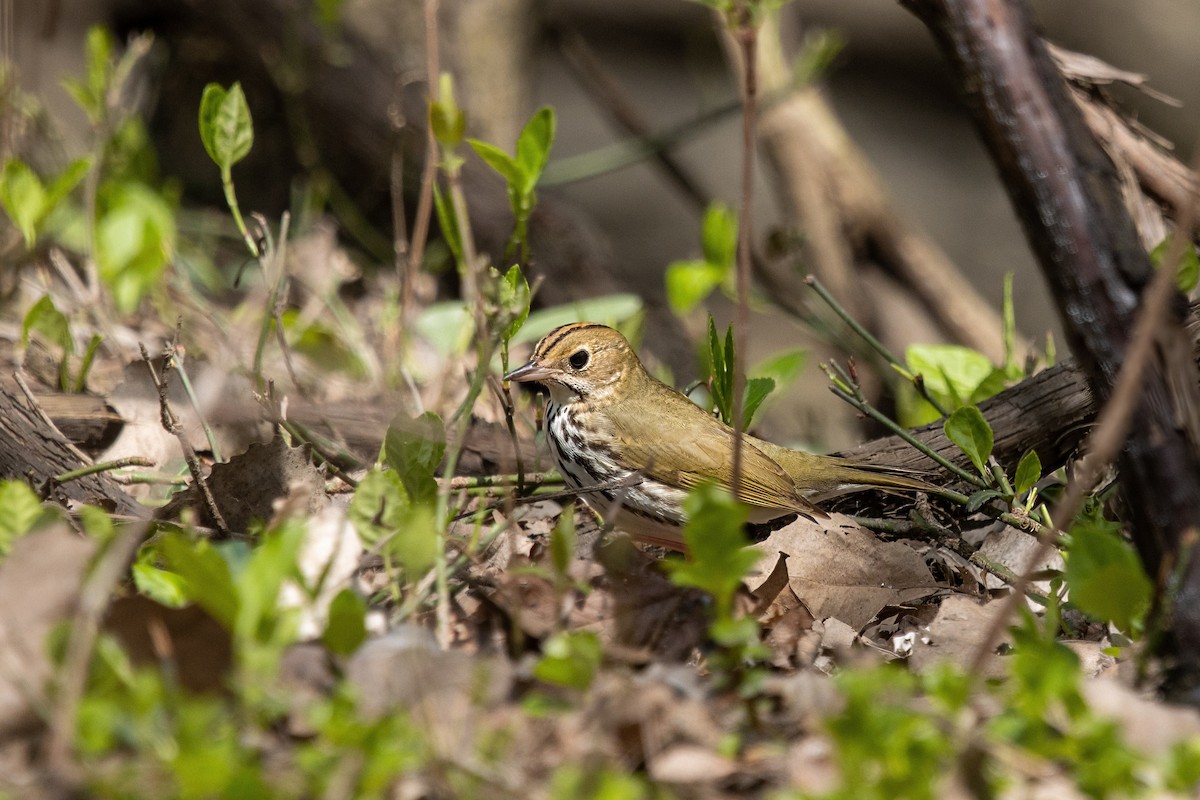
pixel 1066 193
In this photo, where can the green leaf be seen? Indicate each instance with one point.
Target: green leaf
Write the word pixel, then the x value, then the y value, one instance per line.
pixel 533 148
pixel 387 519
pixel 718 558
pixel 57 191
pixel 610 309
pixel 950 371
pixel 47 320
pixel 446 119
pixel 163 587
pixel 1105 576
pixel 967 428
pixel 690 282
pixel 718 236
pixel 23 198
pixel 1188 270
pixel 498 160
pixel 784 368
pixel 562 541
pixel 259 581
pixel 207 581
pixel 447 326
pixel 22 512
pixel 226 128
pixel 757 390
pixel 347 626
pixel 379 505
pixel 514 300
pixel 1029 472
pixel 570 659
pixel 413 447
pixel 976 500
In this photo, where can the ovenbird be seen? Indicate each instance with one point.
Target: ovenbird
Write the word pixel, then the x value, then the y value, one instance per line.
pixel 641 445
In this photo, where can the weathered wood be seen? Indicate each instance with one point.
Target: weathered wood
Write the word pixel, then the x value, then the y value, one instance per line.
pixel 1049 412
pixel 1067 195
pixel 31 449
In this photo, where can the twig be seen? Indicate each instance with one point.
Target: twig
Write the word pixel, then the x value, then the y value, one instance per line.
pixel 171 425
pixel 745 31
pixel 420 233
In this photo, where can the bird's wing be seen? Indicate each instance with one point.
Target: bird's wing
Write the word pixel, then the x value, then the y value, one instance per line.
pixel 691 447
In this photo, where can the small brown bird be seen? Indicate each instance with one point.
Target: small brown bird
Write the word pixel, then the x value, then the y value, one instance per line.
pixel 609 422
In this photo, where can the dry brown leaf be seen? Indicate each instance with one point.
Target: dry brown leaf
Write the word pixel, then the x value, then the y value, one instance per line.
pixel 840 569
pixel 955 635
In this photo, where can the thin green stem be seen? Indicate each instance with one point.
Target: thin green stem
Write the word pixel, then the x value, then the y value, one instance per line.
pixel 887 422
pixel 103 466
pixel 232 202
pixel 875 344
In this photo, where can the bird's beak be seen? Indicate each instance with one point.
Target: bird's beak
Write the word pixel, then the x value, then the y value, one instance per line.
pixel 532 371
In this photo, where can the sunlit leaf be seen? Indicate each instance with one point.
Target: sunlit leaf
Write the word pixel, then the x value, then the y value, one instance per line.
pixel 690 282
pixel 347 627
pixel 967 428
pixel 1105 576
pixel 226 128
pixel 1029 472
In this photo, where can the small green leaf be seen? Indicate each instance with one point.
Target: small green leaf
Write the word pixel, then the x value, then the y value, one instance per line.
pixel 379 505
pixel 260 579
pixel 533 148
pixel 498 160
pixel 570 659
pixel 206 577
pixel 163 587
pixel 718 236
pixel 447 326
pixel 226 128
pixel 1105 576
pixel 950 371
pixel 414 448
pixel 23 198
pixel 57 191
pixel 47 320
pixel 967 428
pixel 562 541
pixel 347 626
pixel 784 368
pixel 1188 270
pixel 718 558
pixel 1029 472
pixel 976 500
pixel 22 512
pixel 514 299
pixel 446 119
pixel 609 309
pixel 757 390
pixel 690 282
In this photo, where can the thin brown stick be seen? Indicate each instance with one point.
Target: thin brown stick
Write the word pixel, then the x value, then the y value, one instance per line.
pixel 420 234
pixel 746 33
pixel 171 425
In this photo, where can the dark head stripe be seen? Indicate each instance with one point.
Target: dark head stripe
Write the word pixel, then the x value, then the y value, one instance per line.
pixel 558 334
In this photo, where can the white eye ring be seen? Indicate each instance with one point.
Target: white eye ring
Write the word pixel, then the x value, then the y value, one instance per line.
pixel 579 359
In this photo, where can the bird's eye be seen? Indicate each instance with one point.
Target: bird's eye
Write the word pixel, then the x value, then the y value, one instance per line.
pixel 578 359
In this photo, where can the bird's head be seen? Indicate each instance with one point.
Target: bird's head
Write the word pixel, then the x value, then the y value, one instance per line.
pixel 583 360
